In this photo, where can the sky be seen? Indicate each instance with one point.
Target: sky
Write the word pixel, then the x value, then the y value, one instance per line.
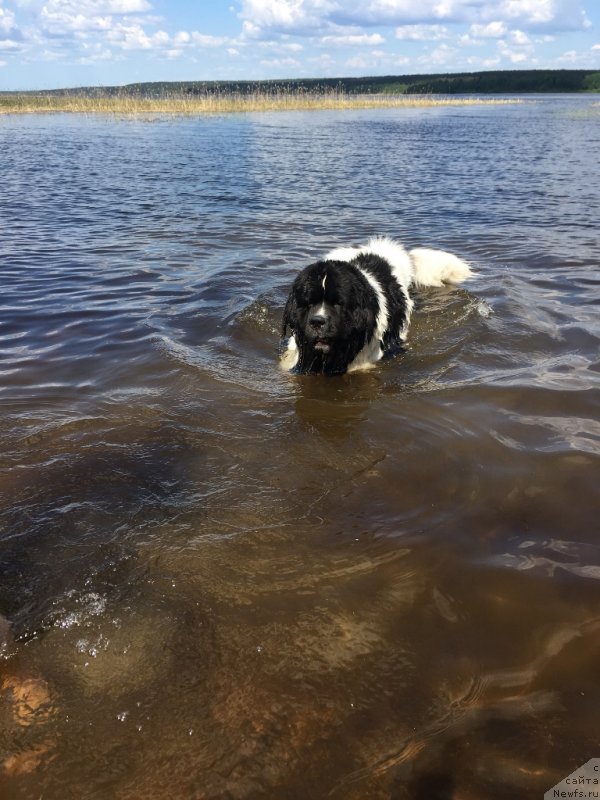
pixel 48 44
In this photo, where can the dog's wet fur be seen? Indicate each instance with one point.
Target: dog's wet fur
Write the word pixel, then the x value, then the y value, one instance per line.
pixel 348 310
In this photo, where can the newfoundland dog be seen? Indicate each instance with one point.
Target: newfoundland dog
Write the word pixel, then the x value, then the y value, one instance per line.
pixel 347 311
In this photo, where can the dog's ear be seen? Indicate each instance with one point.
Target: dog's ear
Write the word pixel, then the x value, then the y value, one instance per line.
pixel 363 320
pixel 290 315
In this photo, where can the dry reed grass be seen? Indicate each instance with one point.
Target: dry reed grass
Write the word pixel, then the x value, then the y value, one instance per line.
pixel 217 103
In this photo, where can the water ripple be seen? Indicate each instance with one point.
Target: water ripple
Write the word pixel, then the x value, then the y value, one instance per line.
pixel 285 586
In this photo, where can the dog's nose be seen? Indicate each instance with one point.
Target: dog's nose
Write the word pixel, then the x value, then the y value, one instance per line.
pixel 318 320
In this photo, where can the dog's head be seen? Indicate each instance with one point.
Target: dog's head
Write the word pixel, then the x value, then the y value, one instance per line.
pixel 330 312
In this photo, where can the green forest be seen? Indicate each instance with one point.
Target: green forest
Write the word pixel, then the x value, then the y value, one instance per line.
pixel 495 82
pixel 499 82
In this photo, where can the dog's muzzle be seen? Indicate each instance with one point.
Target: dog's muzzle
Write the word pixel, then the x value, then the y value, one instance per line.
pixel 319 331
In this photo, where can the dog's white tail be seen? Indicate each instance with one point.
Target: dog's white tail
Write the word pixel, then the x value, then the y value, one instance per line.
pixel 435 267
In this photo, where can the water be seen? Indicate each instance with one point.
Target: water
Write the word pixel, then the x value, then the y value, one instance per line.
pixel 222 581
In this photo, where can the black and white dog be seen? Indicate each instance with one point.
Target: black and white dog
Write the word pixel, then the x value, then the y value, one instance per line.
pixel 348 310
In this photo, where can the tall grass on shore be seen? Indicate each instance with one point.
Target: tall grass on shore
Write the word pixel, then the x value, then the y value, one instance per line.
pixel 124 103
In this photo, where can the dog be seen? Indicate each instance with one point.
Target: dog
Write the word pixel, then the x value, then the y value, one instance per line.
pixel 346 312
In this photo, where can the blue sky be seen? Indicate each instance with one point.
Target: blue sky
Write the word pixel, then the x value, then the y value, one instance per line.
pixel 62 43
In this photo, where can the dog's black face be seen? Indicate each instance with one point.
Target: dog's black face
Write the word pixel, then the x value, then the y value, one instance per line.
pixel 331 314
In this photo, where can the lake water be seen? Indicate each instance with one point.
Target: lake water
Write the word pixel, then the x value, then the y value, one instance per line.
pixel 222 581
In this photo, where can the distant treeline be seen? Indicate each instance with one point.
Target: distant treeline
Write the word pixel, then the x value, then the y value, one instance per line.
pixel 500 82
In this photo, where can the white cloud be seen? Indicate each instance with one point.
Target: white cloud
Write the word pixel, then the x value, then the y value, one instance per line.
pixel 91 8
pixel 96 54
pixel 51 55
pixel 514 56
pixel 493 30
pixel 358 62
pixel 57 23
pixel 250 30
pixel 8 45
pixel 570 57
pixel 579 59
pixel 440 56
pixel 332 17
pixel 195 39
pixel 483 63
pixel 121 6
pixel 123 24
pixel 354 39
pixel 519 38
pixel 59 17
pixel 554 15
pixel 280 62
pixel 7 21
pixel 263 18
pixel 537 11
pixel 62 16
pixel 398 12
pixel 204 40
pixel 277 46
pixel 496 30
pixel 466 41
pixel 134 37
pixel 284 15
pixel 421 33
pixel 323 61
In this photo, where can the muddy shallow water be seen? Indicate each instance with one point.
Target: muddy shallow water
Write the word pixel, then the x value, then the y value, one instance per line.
pixel 222 581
